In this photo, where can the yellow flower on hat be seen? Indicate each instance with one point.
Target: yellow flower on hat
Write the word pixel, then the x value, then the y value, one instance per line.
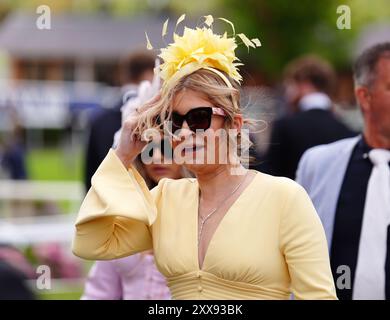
pixel 201 48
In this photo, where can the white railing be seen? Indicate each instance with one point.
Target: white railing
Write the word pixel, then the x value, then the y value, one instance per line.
pixel 37 229
pixel 41 190
pixel 19 230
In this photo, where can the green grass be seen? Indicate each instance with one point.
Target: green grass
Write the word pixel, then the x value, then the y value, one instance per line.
pixel 54 164
pixel 61 296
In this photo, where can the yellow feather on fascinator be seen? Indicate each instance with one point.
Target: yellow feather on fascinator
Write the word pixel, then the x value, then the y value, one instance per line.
pixel 201 48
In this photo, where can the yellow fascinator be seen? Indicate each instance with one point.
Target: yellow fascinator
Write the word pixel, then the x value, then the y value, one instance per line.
pixel 201 48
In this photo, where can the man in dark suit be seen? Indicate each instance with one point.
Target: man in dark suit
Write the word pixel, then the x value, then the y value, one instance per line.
pixel 309 83
pixel 103 126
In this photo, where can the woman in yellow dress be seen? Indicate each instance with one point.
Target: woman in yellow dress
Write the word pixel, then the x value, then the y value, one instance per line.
pixel 229 233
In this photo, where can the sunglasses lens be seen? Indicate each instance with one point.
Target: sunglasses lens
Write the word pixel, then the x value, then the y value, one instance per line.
pixel 199 119
pixel 177 122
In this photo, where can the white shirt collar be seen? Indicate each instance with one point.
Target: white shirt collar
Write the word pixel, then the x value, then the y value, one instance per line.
pixel 316 100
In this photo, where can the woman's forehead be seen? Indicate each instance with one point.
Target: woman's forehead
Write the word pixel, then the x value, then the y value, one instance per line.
pixel 186 100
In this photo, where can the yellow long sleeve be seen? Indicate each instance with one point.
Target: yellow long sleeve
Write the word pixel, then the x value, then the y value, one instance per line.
pixel 305 249
pixel 116 214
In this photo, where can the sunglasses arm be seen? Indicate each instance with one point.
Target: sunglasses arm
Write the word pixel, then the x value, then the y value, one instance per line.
pixel 218 111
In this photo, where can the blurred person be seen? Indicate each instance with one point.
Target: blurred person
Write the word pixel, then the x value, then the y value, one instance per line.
pixel 14 272
pixel 349 183
pixel 13 285
pixel 16 259
pixel 135 68
pixel 135 277
pixel 230 233
pixel 3 173
pixel 309 83
pixel 13 152
pixel 62 265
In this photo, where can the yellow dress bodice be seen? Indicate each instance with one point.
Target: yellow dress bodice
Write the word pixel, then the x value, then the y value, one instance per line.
pixel 269 244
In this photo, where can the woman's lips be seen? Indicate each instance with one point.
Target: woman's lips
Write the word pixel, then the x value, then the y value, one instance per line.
pixel 160 170
pixel 192 149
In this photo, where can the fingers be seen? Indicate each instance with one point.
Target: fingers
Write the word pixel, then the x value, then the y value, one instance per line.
pixel 129 123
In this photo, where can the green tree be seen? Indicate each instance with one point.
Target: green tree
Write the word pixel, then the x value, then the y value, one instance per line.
pixel 289 28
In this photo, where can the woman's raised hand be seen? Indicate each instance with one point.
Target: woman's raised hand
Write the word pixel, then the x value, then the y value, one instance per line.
pixel 131 145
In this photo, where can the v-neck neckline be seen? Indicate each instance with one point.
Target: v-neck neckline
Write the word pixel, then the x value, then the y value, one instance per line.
pixel 224 218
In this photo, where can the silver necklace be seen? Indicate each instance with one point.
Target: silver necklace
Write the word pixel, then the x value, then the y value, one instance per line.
pixel 203 220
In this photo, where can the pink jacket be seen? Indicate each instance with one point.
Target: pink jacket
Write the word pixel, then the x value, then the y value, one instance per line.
pixel 131 278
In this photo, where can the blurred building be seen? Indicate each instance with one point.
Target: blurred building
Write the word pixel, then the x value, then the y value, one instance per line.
pixel 53 76
pixel 76 48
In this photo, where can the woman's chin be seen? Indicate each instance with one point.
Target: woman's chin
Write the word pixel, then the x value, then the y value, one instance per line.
pixel 199 168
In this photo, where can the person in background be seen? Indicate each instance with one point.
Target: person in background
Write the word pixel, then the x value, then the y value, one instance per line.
pixel 12 157
pixel 13 286
pixel 136 68
pixel 134 277
pixel 349 184
pixel 309 84
pixel 14 272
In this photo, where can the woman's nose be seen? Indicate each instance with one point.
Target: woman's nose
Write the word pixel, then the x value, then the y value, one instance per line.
pixel 157 156
pixel 184 131
pixel 185 125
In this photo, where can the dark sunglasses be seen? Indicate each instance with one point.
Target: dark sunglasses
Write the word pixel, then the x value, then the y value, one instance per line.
pixel 163 145
pixel 197 118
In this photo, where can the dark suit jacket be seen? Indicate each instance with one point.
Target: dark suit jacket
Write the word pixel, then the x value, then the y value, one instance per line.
pixel 292 135
pixel 13 284
pixel 103 127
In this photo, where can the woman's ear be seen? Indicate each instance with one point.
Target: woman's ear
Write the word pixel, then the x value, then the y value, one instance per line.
pixel 238 122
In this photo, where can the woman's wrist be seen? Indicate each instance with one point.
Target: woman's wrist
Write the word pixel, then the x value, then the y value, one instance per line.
pixel 125 158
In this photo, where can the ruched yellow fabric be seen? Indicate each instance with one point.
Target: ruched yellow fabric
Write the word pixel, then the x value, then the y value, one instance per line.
pixel 269 244
pixel 204 285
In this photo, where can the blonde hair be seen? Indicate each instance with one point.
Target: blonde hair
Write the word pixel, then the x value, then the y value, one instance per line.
pixel 203 81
